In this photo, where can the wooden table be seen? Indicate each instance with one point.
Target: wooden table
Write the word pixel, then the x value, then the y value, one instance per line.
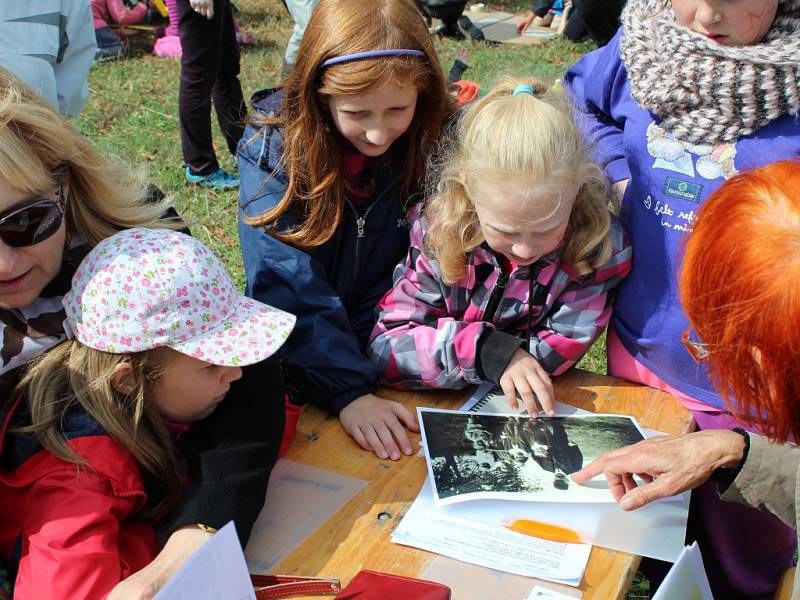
pixel 355 538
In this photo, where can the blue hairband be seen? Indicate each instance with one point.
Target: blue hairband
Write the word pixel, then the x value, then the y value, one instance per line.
pixel 523 88
pixel 371 54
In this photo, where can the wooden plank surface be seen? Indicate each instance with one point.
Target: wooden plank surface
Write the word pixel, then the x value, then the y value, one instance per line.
pixel 357 537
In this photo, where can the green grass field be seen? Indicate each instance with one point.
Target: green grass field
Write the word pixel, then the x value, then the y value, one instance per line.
pixel 132 115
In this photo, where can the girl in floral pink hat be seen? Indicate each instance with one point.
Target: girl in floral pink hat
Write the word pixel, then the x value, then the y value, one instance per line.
pixel 158 333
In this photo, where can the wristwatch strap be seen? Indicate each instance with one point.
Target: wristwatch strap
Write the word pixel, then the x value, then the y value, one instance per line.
pixel 206 528
pixel 724 476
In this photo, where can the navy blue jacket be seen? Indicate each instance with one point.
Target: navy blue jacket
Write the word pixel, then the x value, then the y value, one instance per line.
pixel 333 288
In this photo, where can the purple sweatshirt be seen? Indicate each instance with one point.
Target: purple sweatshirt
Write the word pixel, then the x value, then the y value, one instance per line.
pixel 669 181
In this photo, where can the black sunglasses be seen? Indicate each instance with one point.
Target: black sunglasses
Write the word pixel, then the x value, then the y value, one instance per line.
pixel 33 223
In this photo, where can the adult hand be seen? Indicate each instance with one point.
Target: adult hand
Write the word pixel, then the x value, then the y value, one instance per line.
pixel 523 25
pixel 379 425
pixel 526 377
pixel 669 465
pixel 146 583
pixel 203 7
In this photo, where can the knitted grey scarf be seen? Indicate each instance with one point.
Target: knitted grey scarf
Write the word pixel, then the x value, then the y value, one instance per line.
pixel 703 92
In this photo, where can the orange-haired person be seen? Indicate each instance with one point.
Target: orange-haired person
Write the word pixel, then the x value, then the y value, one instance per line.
pixel 740 288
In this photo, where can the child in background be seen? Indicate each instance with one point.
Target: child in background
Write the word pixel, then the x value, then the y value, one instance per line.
pixel 168 41
pixel 667 140
pixel 597 19
pixel 513 260
pixel 448 12
pixel 462 91
pixel 89 458
pixel 300 10
pixel 109 44
pixel 210 63
pixel 328 166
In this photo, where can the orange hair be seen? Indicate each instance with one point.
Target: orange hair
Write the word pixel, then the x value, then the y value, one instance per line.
pixel 740 288
pixel 312 156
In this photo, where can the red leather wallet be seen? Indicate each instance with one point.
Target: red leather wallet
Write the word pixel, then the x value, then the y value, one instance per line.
pixel 273 587
pixel 371 585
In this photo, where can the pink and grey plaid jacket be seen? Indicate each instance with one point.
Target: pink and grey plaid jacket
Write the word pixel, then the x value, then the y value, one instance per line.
pixel 433 335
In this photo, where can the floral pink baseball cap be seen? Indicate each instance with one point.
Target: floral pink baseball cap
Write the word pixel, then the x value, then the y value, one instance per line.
pixel 147 288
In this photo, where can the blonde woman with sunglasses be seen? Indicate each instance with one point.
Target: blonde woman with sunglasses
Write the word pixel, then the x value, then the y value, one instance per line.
pixel 58 199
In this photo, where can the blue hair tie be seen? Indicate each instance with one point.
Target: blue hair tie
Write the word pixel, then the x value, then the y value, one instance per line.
pixel 523 88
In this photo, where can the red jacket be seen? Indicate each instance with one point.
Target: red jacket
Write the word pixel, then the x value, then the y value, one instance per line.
pixel 71 532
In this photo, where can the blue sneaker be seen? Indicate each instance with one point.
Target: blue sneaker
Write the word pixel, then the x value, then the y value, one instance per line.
pixel 218 180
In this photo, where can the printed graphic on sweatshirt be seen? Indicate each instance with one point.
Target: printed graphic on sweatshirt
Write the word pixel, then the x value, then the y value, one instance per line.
pixel 671 217
pixel 712 161
pixel 687 163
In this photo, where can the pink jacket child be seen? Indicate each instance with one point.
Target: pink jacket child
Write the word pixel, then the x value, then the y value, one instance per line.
pixel 115 11
pixel 168 45
pixel 513 260
pixel 430 334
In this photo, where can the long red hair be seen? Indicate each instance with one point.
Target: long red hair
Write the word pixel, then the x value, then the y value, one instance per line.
pixel 740 288
pixel 312 155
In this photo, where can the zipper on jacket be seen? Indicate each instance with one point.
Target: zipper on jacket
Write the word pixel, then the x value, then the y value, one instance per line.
pixel 361 225
pixel 494 299
pixel 537 295
pixel 530 310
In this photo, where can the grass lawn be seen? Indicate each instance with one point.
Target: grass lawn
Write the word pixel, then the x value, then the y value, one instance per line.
pixel 132 114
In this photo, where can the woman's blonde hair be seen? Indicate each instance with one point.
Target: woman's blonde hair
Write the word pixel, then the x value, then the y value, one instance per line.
pixel 527 136
pixel 72 374
pixel 312 155
pixel 38 146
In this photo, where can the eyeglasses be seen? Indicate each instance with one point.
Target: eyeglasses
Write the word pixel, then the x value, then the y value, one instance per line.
pixel 697 350
pixel 33 223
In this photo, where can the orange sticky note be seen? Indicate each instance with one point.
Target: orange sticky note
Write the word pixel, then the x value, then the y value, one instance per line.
pixel 545 531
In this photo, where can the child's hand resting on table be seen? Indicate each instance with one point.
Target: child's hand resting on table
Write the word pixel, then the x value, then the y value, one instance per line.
pixel 379 425
pixel 526 377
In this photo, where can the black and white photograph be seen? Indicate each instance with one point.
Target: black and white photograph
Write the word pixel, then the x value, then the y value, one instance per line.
pixel 489 456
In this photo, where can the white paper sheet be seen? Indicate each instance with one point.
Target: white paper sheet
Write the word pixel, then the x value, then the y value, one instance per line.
pixel 686 579
pixel 216 570
pixel 542 593
pixel 430 528
pixel 488 398
pixel 299 500
pixel 657 530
